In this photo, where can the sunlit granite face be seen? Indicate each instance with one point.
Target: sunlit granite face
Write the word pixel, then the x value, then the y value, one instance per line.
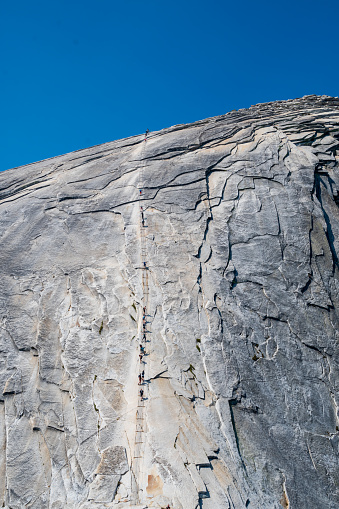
pixel 240 239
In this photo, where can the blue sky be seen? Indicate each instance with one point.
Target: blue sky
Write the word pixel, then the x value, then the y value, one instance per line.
pixel 76 73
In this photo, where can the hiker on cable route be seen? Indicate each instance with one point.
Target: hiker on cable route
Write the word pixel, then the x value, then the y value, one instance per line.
pixel 143 375
pixel 139 379
pixel 141 393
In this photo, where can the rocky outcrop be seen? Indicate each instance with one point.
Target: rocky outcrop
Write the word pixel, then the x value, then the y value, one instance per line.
pixel 236 265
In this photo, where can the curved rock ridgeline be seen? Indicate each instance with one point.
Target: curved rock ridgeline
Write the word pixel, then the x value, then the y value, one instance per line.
pixel 233 280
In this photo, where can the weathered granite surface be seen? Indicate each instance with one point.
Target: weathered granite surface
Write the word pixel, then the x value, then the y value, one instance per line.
pixel 242 368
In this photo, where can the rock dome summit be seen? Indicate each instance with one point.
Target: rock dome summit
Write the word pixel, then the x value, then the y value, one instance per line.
pixel 169 318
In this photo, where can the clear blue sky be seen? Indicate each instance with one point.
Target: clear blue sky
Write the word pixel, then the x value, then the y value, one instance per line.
pixel 76 73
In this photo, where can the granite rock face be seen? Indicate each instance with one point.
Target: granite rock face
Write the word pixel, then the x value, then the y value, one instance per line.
pixel 240 242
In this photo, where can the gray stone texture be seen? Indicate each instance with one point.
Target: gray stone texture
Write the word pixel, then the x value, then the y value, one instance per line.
pixel 242 243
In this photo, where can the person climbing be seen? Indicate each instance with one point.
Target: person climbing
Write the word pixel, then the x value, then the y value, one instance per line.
pixel 145 264
pixel 139 379
pixel 143 375
pixel 144 308
pixel 140 191
pixel 141 393
pixel 140 357
pixel 147 131
pixel 144 337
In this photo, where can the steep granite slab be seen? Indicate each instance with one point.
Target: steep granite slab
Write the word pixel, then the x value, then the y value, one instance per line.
pixel 241 235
